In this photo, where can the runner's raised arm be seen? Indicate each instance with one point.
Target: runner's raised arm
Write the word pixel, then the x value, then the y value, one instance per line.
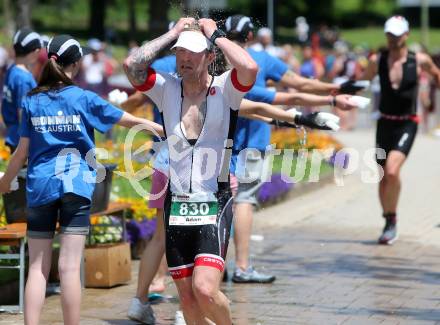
pixel 239 58
pixel 137 64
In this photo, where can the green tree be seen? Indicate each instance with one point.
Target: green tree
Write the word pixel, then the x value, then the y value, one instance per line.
pixel 24 9
pixel 158 17
pixel 97 12
pixel 132 17
pixel 7 16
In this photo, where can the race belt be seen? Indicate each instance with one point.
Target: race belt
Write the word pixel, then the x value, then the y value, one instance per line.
pixel 193 209
pixel 410 117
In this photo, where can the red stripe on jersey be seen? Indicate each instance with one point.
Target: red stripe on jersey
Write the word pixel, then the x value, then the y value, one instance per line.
pixel 237 85
pixel 149 81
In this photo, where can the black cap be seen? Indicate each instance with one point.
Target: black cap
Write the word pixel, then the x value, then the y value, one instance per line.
pixel 65 50
pixel 238 27
pixel 26 41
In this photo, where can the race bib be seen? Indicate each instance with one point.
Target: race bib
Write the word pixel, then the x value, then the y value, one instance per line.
pixel 193 209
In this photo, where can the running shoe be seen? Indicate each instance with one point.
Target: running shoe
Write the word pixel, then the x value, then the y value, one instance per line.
pixel 250 275
pixel 389 234
pixel 140 312
pixel 179 319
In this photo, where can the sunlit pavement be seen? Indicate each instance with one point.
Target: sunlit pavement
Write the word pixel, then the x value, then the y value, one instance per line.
pixel 322 247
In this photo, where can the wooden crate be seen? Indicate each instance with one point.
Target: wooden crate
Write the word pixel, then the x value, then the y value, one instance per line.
pixel 107 265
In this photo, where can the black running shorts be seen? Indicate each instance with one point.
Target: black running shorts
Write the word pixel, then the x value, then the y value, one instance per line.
pixel 395 135
pixel 204 245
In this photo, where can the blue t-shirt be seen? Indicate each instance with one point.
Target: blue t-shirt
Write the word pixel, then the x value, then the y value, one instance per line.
pixel 17 84
pixel 164 64
pixel 252 133
pixel 247 129
pixel 161 162
pixel 60 126
pixel 307 69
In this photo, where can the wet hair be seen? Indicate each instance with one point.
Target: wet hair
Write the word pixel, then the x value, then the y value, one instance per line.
pixel 194 27
pixel 219 65
pixel 52 77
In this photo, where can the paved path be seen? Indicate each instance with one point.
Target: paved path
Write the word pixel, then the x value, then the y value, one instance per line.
pixel 322 247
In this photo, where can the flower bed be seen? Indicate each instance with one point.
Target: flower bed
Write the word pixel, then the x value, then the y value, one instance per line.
pixel 291 139
pixel 5 154
pixel 140 224
pixel 274 189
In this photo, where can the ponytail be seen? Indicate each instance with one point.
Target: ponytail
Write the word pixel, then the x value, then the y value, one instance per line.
pixel 51 78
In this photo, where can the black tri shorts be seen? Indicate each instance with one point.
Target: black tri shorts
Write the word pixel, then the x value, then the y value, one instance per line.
pixel 396 135
pixel 200 245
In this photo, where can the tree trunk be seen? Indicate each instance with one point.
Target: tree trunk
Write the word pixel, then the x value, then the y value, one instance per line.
pixel 24 8
pixel 132 17
pixel 158 23
pixel 7 16
pixel 97 18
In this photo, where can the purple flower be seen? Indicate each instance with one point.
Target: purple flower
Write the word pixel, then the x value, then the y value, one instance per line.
pixel 274 189
pixel 340 160
pixel 140 230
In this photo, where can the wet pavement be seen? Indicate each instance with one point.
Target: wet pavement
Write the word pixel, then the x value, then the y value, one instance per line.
pixel 322 248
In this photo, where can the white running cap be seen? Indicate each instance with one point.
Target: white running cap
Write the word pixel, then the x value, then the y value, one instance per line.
pixel 192 41
pixel 264 32
pixel 396 25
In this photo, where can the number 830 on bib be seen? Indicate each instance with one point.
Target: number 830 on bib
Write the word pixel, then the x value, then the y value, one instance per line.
pixel 193 209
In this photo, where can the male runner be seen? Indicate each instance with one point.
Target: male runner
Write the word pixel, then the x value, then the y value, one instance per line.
pixel 399 70
pixel 199 112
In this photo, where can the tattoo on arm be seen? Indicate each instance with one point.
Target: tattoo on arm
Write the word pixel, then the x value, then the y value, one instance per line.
pixel 137 63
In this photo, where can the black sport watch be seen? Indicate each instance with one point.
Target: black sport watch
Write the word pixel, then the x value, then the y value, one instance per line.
pixel 217 33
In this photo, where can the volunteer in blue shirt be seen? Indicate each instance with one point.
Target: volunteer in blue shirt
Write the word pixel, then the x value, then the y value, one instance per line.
pixel 57 138
pixel 19 81
pixel 256 135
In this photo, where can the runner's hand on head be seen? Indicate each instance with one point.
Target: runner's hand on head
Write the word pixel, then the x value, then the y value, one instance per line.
pixel 208 26
pixel 183 23
pixel 350 87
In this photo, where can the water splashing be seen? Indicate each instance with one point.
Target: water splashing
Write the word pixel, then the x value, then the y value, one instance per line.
pixel 302 141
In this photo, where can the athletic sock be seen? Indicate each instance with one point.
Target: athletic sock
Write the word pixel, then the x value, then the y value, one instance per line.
pixel 390 217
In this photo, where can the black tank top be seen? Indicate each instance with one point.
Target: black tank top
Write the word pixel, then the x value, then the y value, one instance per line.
pixel 403 100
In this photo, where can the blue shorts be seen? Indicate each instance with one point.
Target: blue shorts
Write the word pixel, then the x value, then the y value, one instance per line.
pixel 71 211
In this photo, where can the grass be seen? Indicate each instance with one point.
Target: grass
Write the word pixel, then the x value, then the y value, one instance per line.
pixel 374 37
pixel 324 169
pixel 123 188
